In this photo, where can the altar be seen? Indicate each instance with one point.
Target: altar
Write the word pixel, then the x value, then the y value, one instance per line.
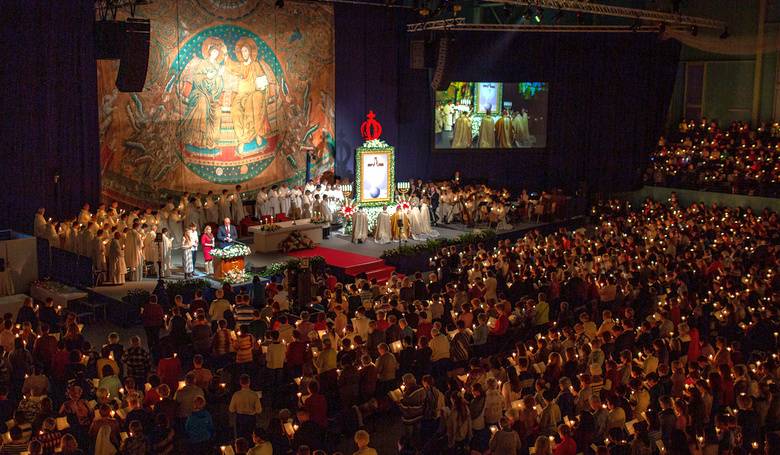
pixel 267 241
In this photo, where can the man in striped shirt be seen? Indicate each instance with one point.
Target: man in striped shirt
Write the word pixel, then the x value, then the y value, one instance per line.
pixel 243 311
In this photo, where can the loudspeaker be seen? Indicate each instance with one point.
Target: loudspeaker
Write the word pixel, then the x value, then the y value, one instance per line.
pixel 437 78
pixel 417 55
pixel 135 56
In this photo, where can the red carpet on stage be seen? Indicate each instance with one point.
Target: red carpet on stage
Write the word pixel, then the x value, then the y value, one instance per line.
pixel 352 264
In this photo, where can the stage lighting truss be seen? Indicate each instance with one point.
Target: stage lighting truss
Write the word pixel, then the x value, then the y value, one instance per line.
pixel 537 28
pixel 443 24
pixel 598 9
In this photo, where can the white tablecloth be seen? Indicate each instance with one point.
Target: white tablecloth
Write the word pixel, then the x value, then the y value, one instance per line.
pixel 60 298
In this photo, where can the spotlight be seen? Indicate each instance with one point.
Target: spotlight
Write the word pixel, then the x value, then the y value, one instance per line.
pixel 538 15
pixel 279 3
pixel 694 30
pixel 725 33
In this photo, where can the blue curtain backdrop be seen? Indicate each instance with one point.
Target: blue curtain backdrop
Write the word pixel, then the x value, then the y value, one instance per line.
pixel 609 94
pixel 48 99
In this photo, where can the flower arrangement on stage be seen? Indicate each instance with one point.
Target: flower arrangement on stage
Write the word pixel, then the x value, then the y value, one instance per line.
pixel 348 209
pixel 375 144
pixel 236 276
pixel 403 203
pixel 296 241
pixel 236 250
pixel 278 268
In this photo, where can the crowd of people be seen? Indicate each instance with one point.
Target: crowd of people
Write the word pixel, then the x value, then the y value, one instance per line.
pixel 736 159
pixel 652 330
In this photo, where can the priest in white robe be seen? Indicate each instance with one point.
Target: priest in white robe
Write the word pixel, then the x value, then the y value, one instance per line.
pixel 487 132
pixel 306 204
pixel 504 131
pixel 237 211
pixel 461 137
pixel 134 252
pixel 84 215
pixel 224 205
pixel 39 224
pixel 192 214
pixel 260 203
pixel 415 225
pixel 176 228
pixel 99 246
pixel 116 260
pixel 520 128
pixel 284 199
pixel 296 199
pixel 359 227
pixel 210 208
pixel 383 233
pixel 425 221
pixel 151 253
pixel 51 235
pixel 273 201
pixel 167 253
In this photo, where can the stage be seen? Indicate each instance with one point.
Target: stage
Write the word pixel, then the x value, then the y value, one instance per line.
pixel 338 250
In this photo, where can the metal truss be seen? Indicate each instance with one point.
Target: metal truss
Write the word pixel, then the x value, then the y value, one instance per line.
pixel 671 19
pixel 544 28
pixel 444 24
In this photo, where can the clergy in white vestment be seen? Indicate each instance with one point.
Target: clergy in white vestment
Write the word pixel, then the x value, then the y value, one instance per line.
pixel 284 199
pixel 116 260
pixel 99 243
pixel 425 221
pixel 68 233
pixel 383 232
pixel 210 208
pixel 101 214
pixel 134 252
pixel 260 202
pixel 224 205
pixel 273 201
pixel 461 137
pixel 151 254
pixel 359 227
pixel 296 198
pixel 327 214
pixel 487 132
pixel 415 225
pixel 84 215
pixel 448 111
pixel 192 214
pixel 85 240
pixel 176 228
pixel 167 253
pixel 51 235
pixel 520 128
pixel 504 131
pixel 306 204
pixel 39 224
pixel 237 211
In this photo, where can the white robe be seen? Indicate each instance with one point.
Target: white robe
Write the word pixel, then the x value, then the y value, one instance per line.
pixel 167 255
pixel 415 226
pixel 116 259
pixel 150 247
pixel 461 138
pixel 52 236
pixel 175 228
pixel 224 207
pixel 134 248
pixel 99 253
pixel 237 207
pixel 39 225
pixel 192 215
pixel 261 204
pixel 425 222
pixel 211 210
pixel 284 200
pixel 383 232
pixel 273 203
pixel 84 217
pixel 359 226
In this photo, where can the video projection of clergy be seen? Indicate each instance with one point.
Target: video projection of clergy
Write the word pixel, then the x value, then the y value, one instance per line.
pixel 233 96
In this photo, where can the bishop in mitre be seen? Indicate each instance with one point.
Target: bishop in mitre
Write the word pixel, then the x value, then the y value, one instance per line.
pixel 383 232
pixel 504 131
pixel 461 137
pixel 487 131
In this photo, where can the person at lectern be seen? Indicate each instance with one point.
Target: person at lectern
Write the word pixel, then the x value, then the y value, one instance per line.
pixel 226 234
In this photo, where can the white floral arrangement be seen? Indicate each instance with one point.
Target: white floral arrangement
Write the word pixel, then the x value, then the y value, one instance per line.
pixel 375 144
pixel 236 276
pixel 236 250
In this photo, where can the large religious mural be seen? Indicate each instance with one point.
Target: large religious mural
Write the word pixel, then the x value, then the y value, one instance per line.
pixel 237 92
